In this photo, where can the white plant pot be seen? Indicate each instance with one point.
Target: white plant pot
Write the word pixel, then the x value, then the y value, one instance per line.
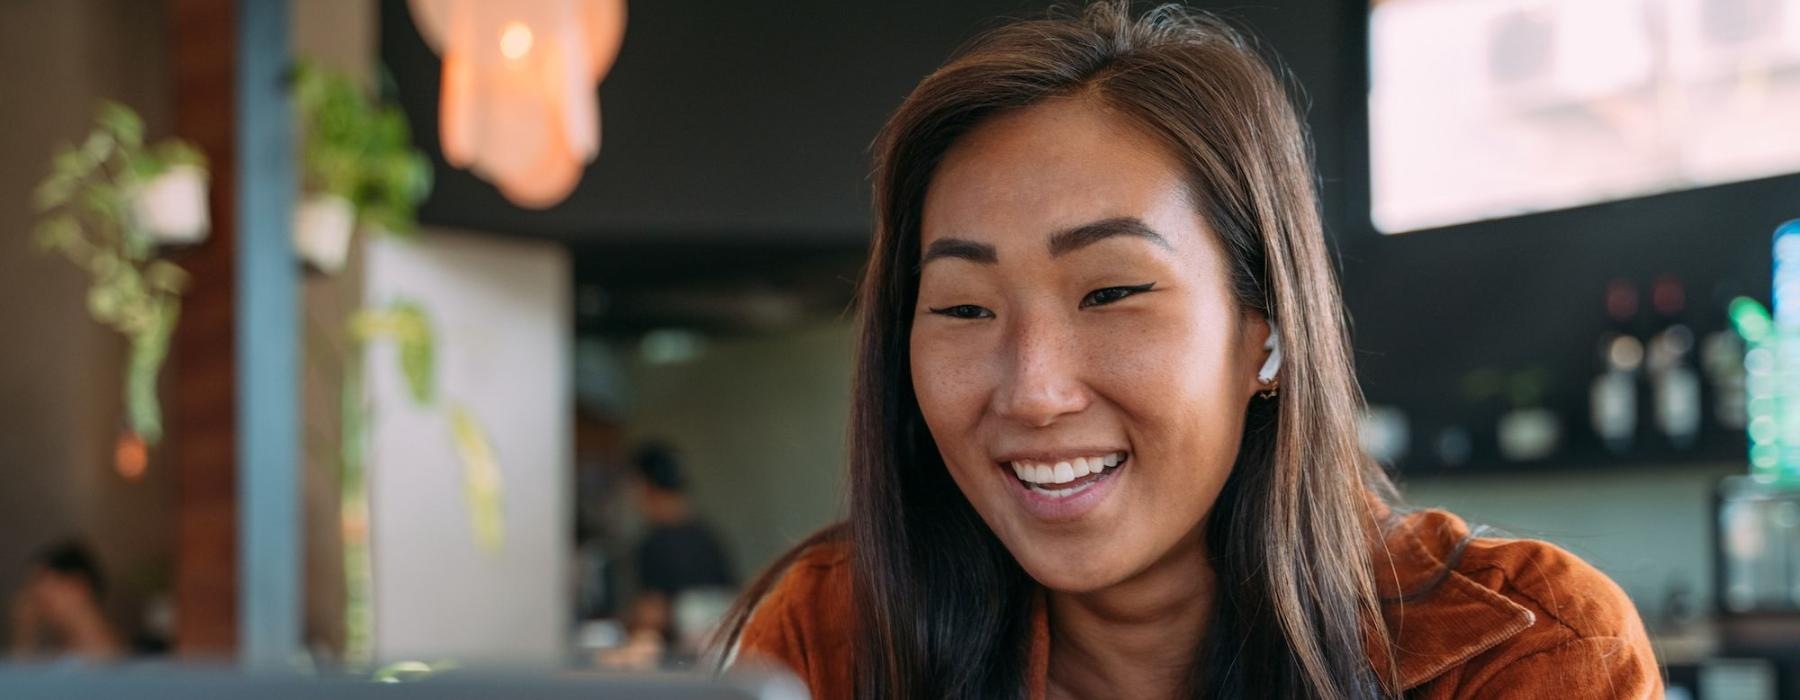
pixel 172 206
pixel 323 225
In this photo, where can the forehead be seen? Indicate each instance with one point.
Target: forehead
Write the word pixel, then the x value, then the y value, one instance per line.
pixel 1056 164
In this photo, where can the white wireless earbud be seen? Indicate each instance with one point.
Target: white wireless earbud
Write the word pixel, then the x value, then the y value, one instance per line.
pixel 1273 364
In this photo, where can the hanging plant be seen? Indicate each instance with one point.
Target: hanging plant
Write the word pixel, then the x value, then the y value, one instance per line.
pixel 359 170
pixel 481 479
pixel 405 324
pixel 106 206
pixel 359 167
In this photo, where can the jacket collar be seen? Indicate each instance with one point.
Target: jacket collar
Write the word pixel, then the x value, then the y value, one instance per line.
pixel 1432 628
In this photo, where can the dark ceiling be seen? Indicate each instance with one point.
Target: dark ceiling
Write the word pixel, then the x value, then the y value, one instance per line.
pixel 733 118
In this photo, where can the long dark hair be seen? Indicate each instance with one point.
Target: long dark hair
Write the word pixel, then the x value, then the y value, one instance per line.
pixel 942 608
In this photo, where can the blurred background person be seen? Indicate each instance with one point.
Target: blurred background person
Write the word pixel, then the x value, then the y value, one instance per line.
pixel 602 506
pixel 58 614
pixel 684 578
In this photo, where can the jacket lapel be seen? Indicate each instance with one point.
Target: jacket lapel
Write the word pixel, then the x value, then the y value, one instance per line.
pixel 1434 621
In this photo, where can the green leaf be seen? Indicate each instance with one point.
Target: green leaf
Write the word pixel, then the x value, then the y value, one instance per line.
pixel 104 265
pixel 404 323
pixel 418 177
pixel 391 130
pixel 122 123
pixel 69 163
pixel 139 245
pixel 146 165
pixel 418 352
pixel 482 480
pixel 56 233
pixel 177 152
pixel 390 222
pixel 97 148
pixel 165 276
pixel 359 149
pixel 132 292
pixel 53 192
pixel 103 201
pixel 416 361
pixel 365 325
pixel 105 303
pixel 304 85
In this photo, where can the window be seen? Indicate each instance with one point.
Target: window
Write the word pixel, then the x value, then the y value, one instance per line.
pixel 1481 109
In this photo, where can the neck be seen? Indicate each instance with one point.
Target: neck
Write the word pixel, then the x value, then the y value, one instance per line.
pixel 1137 638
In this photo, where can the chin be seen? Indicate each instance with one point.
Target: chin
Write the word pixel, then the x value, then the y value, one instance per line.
pixel 1070 569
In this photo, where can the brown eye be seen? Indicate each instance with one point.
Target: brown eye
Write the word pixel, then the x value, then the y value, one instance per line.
pixel 1108 295
pixel 964 311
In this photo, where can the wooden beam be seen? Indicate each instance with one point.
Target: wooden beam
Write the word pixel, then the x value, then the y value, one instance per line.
pixel 203 364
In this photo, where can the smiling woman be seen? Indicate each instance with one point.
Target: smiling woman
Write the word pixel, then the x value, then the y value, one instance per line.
pixel 1084 463
pixel 1101 322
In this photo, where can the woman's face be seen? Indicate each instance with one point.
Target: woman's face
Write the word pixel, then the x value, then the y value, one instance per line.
pixel 1075 315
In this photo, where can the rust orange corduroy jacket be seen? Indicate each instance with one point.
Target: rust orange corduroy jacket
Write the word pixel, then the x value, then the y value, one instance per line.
pixel 1515 619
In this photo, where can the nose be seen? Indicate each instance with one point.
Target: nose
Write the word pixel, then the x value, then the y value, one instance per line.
pixel 1041 381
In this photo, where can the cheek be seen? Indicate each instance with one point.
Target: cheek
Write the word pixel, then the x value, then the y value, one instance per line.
pixel 1175 378
pixel 948 375
pixel 1171 370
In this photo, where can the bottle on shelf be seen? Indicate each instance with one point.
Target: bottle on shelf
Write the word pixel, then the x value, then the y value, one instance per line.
pixel 1613 396
pixel 1528 431
pixel 1674 381
pixel 1722 357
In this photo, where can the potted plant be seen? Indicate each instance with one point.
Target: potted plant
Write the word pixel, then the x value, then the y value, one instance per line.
pixel 359 167
pixel 107 205
pixel 171 205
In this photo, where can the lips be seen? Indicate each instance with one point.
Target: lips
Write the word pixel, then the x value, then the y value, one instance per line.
pixel 1064 478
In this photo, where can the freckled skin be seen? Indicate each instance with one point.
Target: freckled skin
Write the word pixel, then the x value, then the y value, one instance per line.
pixel 1165 374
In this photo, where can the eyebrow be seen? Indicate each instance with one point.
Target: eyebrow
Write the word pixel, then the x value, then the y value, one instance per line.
pixel 960 248
pixel 1088 234
pixel 1061 243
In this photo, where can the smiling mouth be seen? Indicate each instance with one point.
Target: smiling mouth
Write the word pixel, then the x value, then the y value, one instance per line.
pixel 1063 479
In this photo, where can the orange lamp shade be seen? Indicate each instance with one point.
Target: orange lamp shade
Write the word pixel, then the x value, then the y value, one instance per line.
pixel 519 105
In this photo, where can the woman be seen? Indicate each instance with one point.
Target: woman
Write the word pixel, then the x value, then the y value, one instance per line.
pixel 1103 433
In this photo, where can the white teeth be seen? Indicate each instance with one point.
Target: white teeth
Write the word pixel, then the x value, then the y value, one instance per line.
pixel 1056 473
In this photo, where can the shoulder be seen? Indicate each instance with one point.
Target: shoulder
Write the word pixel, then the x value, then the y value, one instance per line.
pixel 1512 615
pixel 805 621
pixel 1573 599
pixel 818 577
